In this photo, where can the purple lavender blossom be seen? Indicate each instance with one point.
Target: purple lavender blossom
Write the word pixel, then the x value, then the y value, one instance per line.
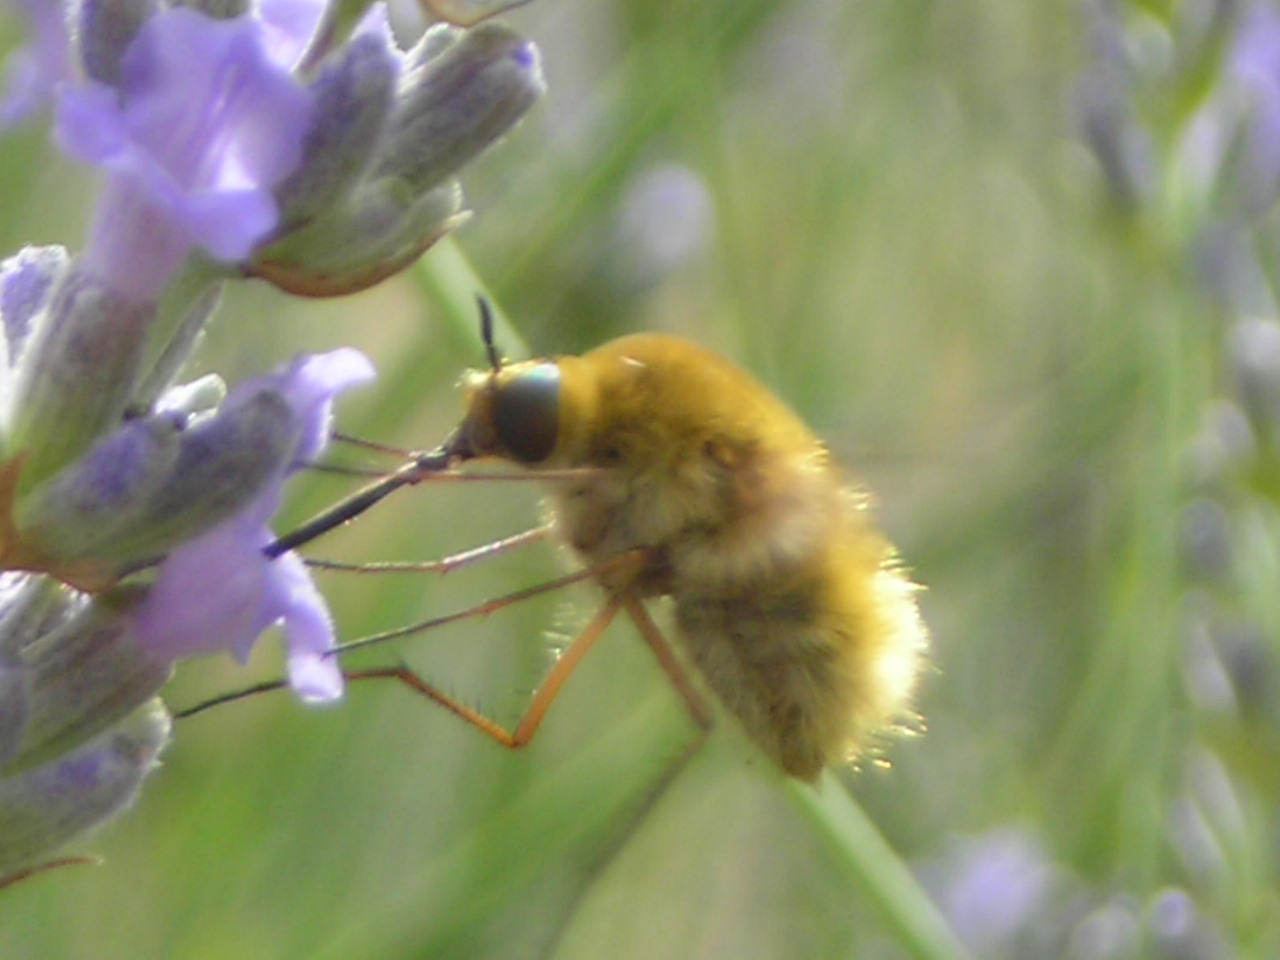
pixel 1235 138
pixel 1255 66
pixel 284 139
pixel 203 124
pixel 996 883
pixel 288 26
pixel 38 67
pixel 219 591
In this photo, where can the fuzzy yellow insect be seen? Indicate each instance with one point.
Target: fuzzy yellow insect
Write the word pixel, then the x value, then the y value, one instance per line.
pixel 789 601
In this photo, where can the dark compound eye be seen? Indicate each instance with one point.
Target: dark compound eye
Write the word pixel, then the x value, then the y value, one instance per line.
pixel 526 413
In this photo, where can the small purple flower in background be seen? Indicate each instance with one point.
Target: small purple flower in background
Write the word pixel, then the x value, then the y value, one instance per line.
pixel 1002 880
pixel 997 887
pixel 295 142
pixel 1008 900
pixel 1182 110
pixel 1183 114
pixel 1204 103
pixel 666 220
pixel 1231 148
pixel 1255 70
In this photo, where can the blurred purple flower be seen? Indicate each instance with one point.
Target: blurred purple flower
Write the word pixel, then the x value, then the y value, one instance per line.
pixel 997 883
pixel 203 124
pixel 219 591
pixel 1255 65
pixel 38 67
pixel 1235 138
pixel 667 219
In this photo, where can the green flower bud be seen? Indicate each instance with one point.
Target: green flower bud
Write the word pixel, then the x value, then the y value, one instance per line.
pixel 30 607
pixel 83 673
pixel 149 486
pixel 45 808
pixel 77 374
pixel 354 97
pixel 459 102
pixel 377 232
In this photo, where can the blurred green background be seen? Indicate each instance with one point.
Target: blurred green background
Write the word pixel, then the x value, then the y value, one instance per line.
pixel 884 209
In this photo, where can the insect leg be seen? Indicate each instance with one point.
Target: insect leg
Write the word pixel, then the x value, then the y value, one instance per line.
pixel 671 664
pixel 565 664
pixel 543 697
pixel 337 436
pixel 512 739
pixel 402 673
pixel 554 681
pixel 568 661
pixel 479 610
pixel 444 565
pixel 29 872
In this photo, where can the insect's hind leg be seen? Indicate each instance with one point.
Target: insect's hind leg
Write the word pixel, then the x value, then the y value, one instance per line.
pixel 28 872
pixel 543 697
pixel 679 675
pixel 525 730
pixel 546 693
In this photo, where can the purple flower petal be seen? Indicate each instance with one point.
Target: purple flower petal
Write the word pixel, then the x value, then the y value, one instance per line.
pixel 207 597
pixel 91 113
pixel 204 123
pixel 1256 65
pixel 308 630
pixel 290 25
pixel 312 383
pixel 220 591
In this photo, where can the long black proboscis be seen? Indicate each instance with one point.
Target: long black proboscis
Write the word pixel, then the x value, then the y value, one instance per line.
pixel 423 464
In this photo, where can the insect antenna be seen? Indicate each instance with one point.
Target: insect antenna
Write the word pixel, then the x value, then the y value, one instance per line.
pixel 486 333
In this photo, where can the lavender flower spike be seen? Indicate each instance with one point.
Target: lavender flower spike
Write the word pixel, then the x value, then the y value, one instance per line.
pixel 268 138
pixel 195 121
pixel 219 591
